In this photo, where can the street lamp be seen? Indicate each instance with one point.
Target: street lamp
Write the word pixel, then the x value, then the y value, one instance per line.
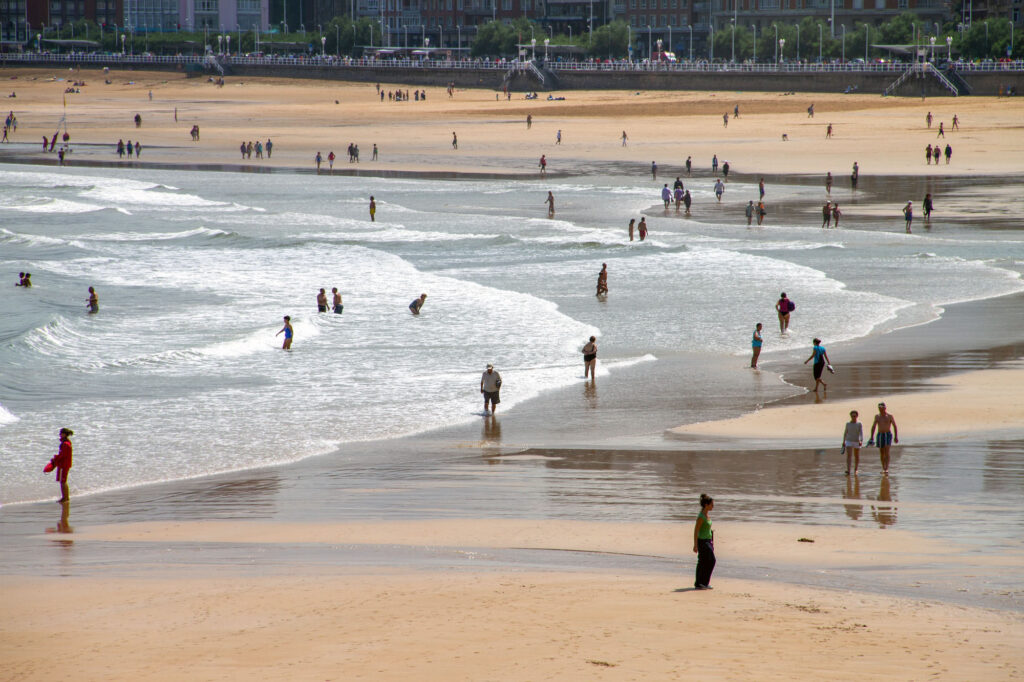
pixel 220 44
pixel 782 49
pixel 949 47
pixel 546 41
pixel 711 42
pixel 323 46
pixel 39 43
pixel 798 42
pixel 819 43
pixel 649 55
pixel 931 40
pixel 227 41
pixel 733 22
pixel 753 27
pixel 122 44
pixel 844 43
pixel 533 48
pixel 690 26
pixel 776 27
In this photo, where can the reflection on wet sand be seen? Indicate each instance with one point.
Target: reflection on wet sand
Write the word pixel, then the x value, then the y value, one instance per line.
pixel 492 431
pixel 854 511
pixel 884 514
pixel 590 393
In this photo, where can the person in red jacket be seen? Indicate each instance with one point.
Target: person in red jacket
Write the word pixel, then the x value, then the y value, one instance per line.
pixel 62 463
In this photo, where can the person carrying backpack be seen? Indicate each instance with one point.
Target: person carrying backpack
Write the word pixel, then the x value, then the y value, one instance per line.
pixel 784 307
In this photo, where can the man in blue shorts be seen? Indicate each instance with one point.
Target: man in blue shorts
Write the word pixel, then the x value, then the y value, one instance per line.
pixel 887 435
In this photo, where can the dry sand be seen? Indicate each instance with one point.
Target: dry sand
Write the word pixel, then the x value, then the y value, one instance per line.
pixel 985 403
pixel 885 135
pixel 402 624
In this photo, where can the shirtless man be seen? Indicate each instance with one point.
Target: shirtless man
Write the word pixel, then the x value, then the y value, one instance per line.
pixel 602 280
pixel 826 214
pixel 888 434
pixel 321 301
pixel 338 307
pixel 93 302
pixel 550 201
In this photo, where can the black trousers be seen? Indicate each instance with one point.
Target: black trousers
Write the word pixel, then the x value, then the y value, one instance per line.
pixel 705 562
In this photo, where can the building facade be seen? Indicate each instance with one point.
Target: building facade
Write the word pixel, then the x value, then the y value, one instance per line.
pixel 151 15
pixel 21 20
pixel 223 15
pixel 764 13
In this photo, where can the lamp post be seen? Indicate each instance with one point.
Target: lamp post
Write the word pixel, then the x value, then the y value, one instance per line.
pixel 711 42
pixel 672 49
pixel 819 43
pixel 931 40
pixel 733 57
pixel 458 30
pixel 337 40
pixel 227 41
pixel 546 41
pixel 798 42
pixel 658 43
pixel 629 43
pixel 844 43
pixel 949 48
pixel 122 44
pixel 753 28
pixel 867 40
pixel 690 26
pixel 782 49
pixel 323 46
pixel 533 49
pixel 776 27
pixel 39 43
pixel 220 44
pixel 649 55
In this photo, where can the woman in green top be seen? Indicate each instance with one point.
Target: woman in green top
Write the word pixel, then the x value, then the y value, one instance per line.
pixel 703 544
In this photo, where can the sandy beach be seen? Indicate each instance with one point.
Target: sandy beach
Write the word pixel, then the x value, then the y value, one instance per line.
pixel 558 548
pixel 886 136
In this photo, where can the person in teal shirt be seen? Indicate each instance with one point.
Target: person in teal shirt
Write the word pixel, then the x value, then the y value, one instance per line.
pixel 703 544
pixel 821 360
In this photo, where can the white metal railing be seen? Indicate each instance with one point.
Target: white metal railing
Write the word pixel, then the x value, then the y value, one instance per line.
pixel 319 61
pixel 948 84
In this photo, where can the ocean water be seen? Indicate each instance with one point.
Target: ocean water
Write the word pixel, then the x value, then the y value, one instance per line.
pixel 181 374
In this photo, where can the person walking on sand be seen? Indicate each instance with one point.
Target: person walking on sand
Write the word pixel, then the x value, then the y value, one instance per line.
pixel 784 307
pixel 853 439
pixel 318 159
pixel 590 359
pixel 820 357
pixel 632 226
pixel 373 209
pixel 417 304
pixel 338 307
pixel 725 120
pixel 908 214
pixel 666 196
pixel 888 434
pixel 642 228
pixel 61 463
pixel 835 215
pixel 689 165
pixel 288 333
pixel 543 165
pixel 927 204
pixel 755 345
pixel 375 152
pixel 602 280
pixel 955 126
pixel 321 301
pixel 828 182
pixel 550 201
pixel 687 200
pixel 719 189
pixel 928 119
pixel 714 164
pixel 625 138
pixel 760 188
pixel 704 544
pixel 949 153
pixel 330 161
pixel 826 214
pixel 942 132
pixel 558 137
pixel 529 121
pixel 654 170
pixel 828 131
pixel 455 140
pixel 936 151
pixel 928 154
pixel 761 212
pixel 490 386
pixel 93 302
pixel 749 210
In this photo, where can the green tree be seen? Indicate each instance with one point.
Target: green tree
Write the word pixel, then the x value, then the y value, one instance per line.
pixel 610 40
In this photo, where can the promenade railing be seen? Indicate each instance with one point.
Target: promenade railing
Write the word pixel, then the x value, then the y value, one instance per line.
pixel 322 61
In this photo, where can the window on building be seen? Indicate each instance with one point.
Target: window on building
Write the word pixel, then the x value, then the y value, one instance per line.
pixel 632 4
pixel 901 4
pixel 879 4
pixel 643 4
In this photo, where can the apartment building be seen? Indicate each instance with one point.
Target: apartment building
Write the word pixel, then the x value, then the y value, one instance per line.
pixel 20 20
pixel 223 15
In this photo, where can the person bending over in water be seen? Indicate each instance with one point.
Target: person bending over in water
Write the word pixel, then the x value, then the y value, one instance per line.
pixel 417 304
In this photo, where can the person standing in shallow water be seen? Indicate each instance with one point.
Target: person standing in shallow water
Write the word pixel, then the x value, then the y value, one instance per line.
pixel 590 359
pixel 288 333
pixel 853 439
pixel 602 280
pixel 755 344
pixel 61 463
pixel 373 209
pixel 704 544
pixel 93 302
